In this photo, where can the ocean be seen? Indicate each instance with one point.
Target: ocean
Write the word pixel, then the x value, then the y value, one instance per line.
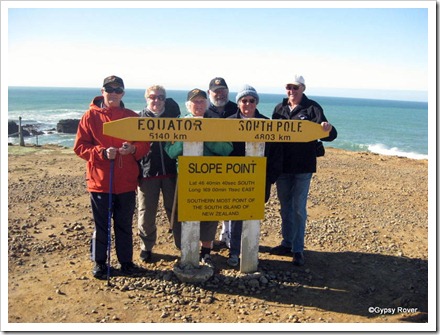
pixel 386 127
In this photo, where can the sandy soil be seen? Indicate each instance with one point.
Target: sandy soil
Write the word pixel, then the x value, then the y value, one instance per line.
pixel 366 252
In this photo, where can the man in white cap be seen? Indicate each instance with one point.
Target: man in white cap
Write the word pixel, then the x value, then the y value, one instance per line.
pixel 298 163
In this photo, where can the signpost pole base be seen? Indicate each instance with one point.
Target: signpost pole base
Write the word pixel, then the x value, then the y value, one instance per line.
pixel 189 270
pixel 190 243
pixel 250 236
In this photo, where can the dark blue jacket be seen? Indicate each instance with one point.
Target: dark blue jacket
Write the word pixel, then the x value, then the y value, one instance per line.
pixel 299 157
pixel 212 112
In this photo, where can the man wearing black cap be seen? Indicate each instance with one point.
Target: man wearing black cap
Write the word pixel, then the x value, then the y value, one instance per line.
pixel 219 104
pixel 112 169
pixel 221 107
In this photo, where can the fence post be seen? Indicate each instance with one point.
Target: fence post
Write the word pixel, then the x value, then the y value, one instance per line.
pixel 190 238
pixel 20 132
pixel 250 235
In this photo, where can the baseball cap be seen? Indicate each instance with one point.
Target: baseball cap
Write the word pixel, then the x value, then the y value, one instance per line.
pixel 196 92
pixel 217 83
pixel 298 80
pixel 113 79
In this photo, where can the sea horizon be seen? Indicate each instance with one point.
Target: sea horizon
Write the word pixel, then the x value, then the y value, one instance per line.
pixel 350 93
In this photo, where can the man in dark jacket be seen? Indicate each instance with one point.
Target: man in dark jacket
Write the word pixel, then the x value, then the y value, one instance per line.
pixel 221 107
pixel 159 173
pixel 219 104
pixel 298 163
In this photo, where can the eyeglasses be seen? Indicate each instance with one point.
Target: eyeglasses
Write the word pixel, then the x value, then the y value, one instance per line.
pixel 292 87
pixel 117 90
pixel 156 97
pixel 245 101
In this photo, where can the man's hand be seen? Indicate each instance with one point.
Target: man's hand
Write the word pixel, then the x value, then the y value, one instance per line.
pixel 110 153
pixel 127 149
pixel 326 126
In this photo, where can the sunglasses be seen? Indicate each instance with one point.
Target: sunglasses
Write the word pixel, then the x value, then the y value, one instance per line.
pixel 245 101
pixel 292 87
pixel 117 90
pixel 156 97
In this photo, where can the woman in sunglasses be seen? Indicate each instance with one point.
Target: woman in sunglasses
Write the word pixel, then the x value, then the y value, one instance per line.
pixel 247 100
pixel 298 161
pixel 159 173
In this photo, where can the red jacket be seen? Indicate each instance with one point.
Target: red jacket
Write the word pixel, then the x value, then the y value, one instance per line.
pixel 90 144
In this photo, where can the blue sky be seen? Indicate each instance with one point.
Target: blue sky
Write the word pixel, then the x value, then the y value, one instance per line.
pixel 370 52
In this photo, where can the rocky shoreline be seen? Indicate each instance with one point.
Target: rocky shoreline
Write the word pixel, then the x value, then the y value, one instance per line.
pixel 366 247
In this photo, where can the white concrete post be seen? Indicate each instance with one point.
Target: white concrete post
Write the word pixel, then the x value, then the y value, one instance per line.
pixel 250 235
pixel 190 238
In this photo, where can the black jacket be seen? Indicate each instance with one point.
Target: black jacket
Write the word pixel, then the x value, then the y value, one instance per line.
pixel 157 163
pixel 300 157
pixel 230 109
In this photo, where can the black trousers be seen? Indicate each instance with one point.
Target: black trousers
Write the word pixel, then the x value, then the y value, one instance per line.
pixel 123 206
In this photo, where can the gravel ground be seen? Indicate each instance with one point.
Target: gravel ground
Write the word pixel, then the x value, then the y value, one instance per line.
pixel 366 255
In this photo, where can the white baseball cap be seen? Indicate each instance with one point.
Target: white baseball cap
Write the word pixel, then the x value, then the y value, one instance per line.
pixel 298 80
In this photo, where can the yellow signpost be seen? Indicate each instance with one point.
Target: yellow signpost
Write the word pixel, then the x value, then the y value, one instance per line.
pixel 221 188
pixel 213 130
pixel 217 188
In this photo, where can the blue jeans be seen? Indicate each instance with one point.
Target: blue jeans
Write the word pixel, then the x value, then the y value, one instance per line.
pixel 293 190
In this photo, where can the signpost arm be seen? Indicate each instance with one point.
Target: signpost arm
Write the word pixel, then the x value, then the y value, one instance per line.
pixel 250 235
pixel 191 229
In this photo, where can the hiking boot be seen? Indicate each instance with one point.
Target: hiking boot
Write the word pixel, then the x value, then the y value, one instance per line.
pixel 100 270
pixel 280 250
pixel 130 268
pixel 145 256
pixel 233 260
pixel 298 259
pixel 207 260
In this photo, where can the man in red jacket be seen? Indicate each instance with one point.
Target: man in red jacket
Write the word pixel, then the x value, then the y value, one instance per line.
pixel 99 150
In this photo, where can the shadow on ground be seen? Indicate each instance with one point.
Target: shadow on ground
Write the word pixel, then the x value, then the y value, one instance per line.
pixel 362 284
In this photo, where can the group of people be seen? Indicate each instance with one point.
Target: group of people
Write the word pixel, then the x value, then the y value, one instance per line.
pixel 139 172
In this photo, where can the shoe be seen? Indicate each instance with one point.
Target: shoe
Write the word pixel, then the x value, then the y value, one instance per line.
pixel 298 259
pixel 233 260
pixel 280 250
pixel 100 270
pixel 145 256
pixel 207 260
pixel 130 268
